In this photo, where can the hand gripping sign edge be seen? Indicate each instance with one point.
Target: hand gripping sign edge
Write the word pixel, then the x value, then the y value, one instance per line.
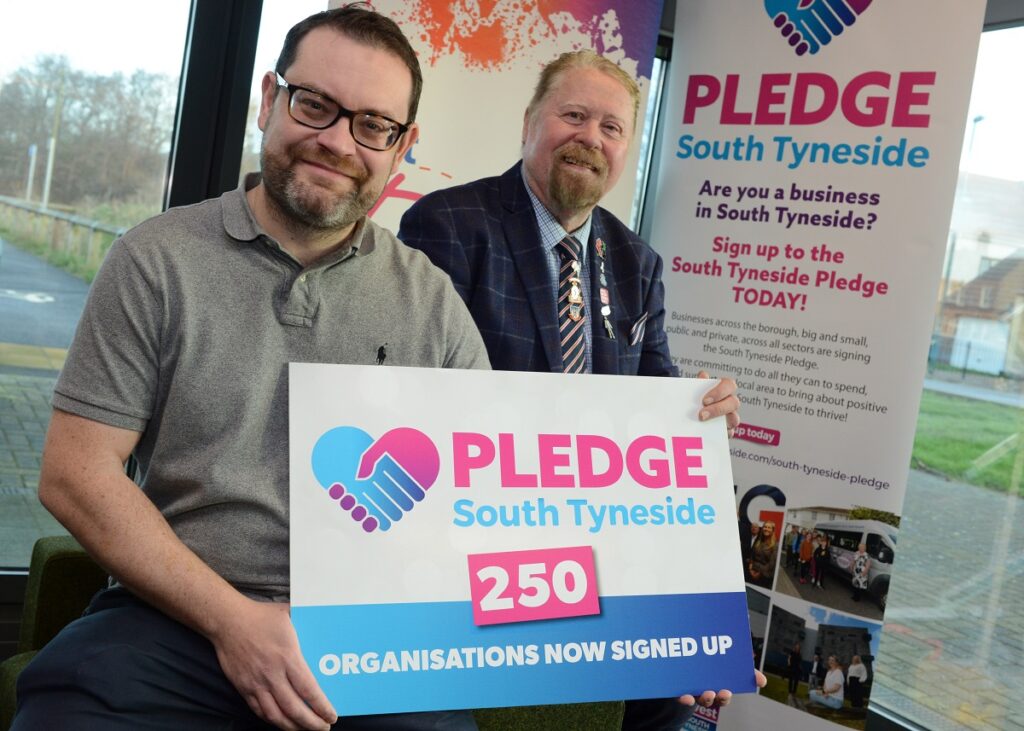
pixel 375 482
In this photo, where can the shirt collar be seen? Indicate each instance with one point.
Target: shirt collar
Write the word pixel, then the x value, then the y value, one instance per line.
pixel 551 231
pixel 239 222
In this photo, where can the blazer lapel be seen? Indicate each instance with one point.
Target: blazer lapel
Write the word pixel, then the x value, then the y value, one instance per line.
pixel 605 350
pixel 523 238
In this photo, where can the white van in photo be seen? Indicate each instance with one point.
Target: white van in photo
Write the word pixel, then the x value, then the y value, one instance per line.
pixel 880 538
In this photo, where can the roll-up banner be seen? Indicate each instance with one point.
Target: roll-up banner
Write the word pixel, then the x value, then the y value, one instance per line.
pixel 480 63
pixel 806 181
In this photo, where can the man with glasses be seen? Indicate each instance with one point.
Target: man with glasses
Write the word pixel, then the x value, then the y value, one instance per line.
pixel 554 282
pixel 181 358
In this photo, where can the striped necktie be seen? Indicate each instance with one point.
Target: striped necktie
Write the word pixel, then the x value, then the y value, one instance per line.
pixel 571 313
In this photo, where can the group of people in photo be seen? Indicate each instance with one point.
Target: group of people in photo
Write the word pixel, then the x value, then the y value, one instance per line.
pixel 830 681
pixel 807 555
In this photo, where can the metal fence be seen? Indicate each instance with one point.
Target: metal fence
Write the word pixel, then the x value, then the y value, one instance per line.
pixel 964 354
pixel 975 356
pixel 83 240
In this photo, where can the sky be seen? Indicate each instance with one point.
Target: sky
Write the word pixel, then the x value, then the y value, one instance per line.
pixel 278 17
pixel 997 150
pixel 103 36
pixel 110 45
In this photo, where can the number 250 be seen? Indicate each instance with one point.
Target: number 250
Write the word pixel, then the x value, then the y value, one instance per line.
pixel 534 587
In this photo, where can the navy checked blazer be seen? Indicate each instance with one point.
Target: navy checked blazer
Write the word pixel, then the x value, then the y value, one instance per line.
pixel 485 235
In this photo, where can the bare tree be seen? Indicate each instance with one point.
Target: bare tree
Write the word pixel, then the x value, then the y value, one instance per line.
pixel 113 132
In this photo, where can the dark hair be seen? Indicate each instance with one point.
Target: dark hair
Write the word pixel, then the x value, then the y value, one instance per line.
pixel 360 23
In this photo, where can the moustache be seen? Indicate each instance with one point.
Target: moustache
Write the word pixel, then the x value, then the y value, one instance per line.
pixel 344 165
pixel 580 154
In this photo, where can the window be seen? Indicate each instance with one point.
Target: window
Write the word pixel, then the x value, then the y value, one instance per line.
pixel 83 155
pixel 952 620
pixel 876 548
pixel 844 539
pixel 278 17
pixel 647 136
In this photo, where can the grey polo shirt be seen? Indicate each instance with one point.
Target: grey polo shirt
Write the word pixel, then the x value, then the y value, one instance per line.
pixel 186 337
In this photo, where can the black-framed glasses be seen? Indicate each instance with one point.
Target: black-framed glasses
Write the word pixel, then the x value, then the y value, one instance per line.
pixel 316 110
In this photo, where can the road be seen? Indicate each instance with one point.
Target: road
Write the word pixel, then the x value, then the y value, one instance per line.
pixel 39 304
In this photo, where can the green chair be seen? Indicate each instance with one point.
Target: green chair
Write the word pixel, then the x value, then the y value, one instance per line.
pixel 61 581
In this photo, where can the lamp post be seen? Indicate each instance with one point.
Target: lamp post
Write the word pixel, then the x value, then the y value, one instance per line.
pixel 974 128
pixel 52 149
pixel 970 147
pixel 32 150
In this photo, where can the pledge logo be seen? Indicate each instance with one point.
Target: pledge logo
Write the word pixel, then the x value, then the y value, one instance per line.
pixel 810 24
pixel 375 482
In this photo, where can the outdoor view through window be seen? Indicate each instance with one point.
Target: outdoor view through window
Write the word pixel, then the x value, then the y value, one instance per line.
pixel 87 109
pixel 952 650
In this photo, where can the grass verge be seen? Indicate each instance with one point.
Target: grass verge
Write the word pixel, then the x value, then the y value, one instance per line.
pixel 954 432
pixel 72 264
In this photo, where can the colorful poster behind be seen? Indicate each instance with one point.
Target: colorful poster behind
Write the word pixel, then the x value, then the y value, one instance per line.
pixel 469 539
pixel 806 182
pixel 480 62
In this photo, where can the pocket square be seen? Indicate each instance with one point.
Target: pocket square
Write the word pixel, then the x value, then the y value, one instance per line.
pixel 636 333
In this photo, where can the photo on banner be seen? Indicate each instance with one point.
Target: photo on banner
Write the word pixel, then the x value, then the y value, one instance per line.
pixel 480 63
pixel 806 179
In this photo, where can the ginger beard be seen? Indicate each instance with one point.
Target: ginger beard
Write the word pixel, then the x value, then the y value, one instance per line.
pixel 577 189
pixel 317 205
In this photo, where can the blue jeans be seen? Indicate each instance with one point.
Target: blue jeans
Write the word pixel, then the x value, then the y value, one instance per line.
pixel 826 700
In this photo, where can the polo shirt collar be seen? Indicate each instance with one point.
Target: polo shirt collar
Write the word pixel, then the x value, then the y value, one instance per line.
pixel 240 224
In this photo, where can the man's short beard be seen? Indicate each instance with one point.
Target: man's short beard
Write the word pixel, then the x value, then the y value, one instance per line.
pixel 572 192
pixel 300 206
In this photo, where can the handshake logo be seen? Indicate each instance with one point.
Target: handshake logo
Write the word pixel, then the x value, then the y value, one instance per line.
pixel 375 482
pixel 810 24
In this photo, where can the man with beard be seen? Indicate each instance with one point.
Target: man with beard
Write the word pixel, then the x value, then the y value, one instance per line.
pixel 553 281
pixel 181 358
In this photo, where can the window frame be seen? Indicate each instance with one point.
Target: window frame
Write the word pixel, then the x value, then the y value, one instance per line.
pixel 213 101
